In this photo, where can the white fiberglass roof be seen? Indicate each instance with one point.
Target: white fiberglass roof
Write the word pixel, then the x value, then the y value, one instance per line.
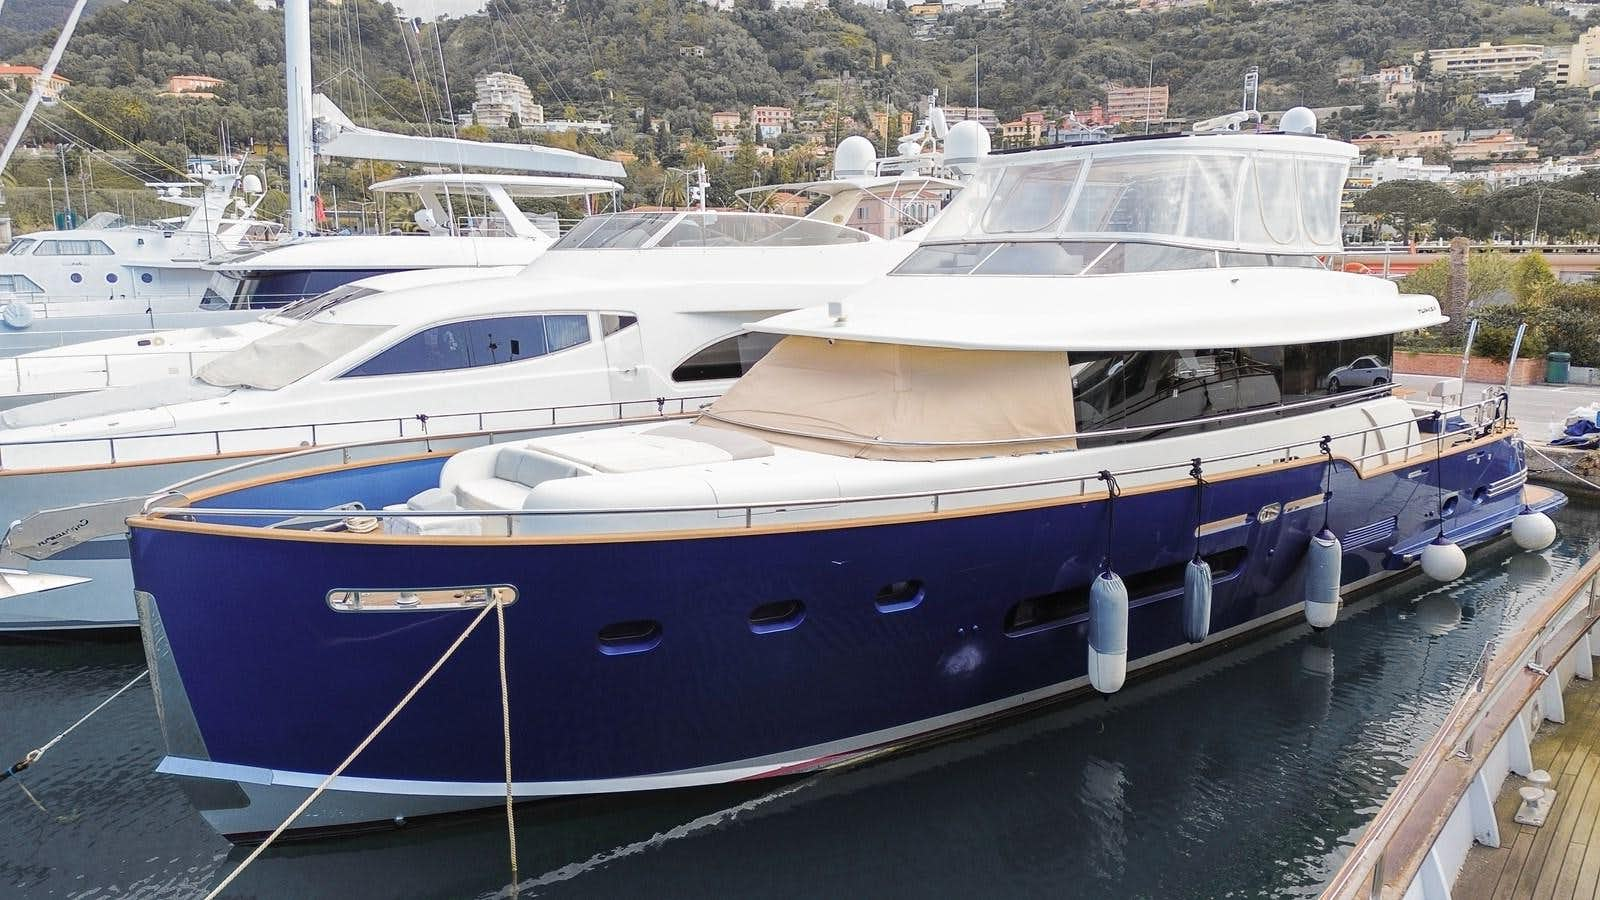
pixel 1162 310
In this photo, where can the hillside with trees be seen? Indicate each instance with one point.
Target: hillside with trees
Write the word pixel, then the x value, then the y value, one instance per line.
pixel 639 65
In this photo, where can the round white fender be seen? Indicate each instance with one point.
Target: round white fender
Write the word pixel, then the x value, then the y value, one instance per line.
pixel 1442 560
pixel 1533 530
pixel 1324 558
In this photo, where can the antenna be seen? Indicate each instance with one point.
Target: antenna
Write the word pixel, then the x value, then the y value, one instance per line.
pixel 1149 88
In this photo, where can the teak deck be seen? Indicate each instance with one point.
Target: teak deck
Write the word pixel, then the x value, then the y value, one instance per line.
pixel 1561 859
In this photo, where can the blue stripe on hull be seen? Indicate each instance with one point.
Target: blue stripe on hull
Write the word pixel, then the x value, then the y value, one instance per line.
pixel 278 680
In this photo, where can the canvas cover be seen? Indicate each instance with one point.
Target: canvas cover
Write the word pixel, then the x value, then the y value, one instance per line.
pixel 286 356
pixel 848 398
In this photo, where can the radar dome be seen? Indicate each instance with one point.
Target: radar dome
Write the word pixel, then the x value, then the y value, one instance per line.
pixel 966 143
pixel 855 158
pixel 252 183
pixel 908 148
pixel 1298 121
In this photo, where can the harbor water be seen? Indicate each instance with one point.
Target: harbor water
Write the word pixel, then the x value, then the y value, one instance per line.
pixel 1247 774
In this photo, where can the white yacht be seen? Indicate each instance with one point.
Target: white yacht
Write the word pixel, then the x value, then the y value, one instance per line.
pixel 59 287
pixel 466 221
pixel 628 315
pixel 150 356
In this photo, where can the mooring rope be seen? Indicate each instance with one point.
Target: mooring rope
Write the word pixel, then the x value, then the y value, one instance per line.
pixel 1551 461
pixel 371 736
pixel 505 724
pixel 33 755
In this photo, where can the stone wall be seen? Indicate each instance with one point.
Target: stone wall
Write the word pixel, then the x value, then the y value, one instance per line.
pixel 1479 369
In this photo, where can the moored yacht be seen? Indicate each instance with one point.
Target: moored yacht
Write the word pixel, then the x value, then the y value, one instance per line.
pixel 1084 428
pixel 64 286
pixel 628 314
pixel 151 356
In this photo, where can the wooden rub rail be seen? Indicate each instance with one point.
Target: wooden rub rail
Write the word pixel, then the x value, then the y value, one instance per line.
pixel 1415 846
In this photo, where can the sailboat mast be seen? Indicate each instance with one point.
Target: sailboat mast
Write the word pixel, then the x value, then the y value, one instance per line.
pixel 297 76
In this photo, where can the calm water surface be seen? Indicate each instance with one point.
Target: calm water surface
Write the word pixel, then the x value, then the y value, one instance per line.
pixel 1245 775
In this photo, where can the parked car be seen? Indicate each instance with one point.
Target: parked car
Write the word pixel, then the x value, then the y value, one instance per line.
pixel 1364 371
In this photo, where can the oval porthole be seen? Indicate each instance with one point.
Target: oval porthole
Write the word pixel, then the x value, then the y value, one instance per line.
pixel 637 636
pixel 146 277
pixel 1479 496
pixel 898 596
pixel 779 616
pixel 77 277
pixel 111 278
pixel 1450 507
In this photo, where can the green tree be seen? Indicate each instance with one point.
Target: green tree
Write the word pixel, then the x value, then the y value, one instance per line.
pixel 1405 204
pixel 1531 278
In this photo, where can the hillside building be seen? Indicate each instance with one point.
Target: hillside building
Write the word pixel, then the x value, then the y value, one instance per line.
pixel 200 87
pixel 1136 104
pixel 1486 60
pixel 981 114
pixel 503 97
pixel 23 78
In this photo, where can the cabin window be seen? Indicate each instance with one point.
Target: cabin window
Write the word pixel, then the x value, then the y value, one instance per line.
pixel 780 616
pixel 20 246
pixel 945 259
pixel 1155 387
pixel 1041 258
pixel 899 596
pixel 19 284
pixel 72 248
pixel 477 343
pixel 272 290
pixel 611 323
pixel 728 358
pixel 622 638
pixel 613 231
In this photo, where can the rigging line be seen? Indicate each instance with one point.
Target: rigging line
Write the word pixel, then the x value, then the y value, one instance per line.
pixel 531 47
pixel 105 157
pixel 33 755
pixel 119 136
pixel 405 41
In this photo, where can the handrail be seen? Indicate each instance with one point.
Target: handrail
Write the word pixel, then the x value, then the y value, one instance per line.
pixel 748 509
pixel 216 435
pixel 1453 739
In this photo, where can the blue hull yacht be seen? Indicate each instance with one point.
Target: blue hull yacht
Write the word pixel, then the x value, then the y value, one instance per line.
pixel 1084 429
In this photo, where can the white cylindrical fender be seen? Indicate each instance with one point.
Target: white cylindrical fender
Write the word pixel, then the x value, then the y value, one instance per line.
pixel 1196 600
pixel 17 314
pixel 1108 633
pixel 1324 561
pixel 1533 530
pixel 1442 560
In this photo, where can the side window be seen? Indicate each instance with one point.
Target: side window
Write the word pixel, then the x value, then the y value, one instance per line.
pixel 727 358
pixel 437 349
pixel 480 342
pixel 566 331
pixel 509 339
pixel 19 284
pixel 73 248
pixel 611 324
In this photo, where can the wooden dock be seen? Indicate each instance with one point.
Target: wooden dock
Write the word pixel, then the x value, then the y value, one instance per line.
pixel 1561 859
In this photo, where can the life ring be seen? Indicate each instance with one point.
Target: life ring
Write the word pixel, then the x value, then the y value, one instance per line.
pixel 17 314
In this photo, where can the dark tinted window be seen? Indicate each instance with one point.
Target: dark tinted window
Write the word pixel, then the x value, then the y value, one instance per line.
pixel 480 342
pixel 611 323
pixel 728 358
pixel 271 290
pixel 1155 387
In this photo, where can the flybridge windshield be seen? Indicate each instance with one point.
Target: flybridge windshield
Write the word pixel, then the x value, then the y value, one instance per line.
pixel 703 229
pixel 1209 197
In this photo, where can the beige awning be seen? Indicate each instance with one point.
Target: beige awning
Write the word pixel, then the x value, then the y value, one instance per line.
pixel 892 401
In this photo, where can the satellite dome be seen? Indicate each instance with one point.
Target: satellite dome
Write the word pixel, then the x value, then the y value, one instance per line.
pixel 966 143
pixel 908 148
pixel 855 158
pixel 252 184
pixel 1298 121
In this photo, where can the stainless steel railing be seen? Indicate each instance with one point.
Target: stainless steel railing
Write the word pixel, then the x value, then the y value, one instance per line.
pixel 936 499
